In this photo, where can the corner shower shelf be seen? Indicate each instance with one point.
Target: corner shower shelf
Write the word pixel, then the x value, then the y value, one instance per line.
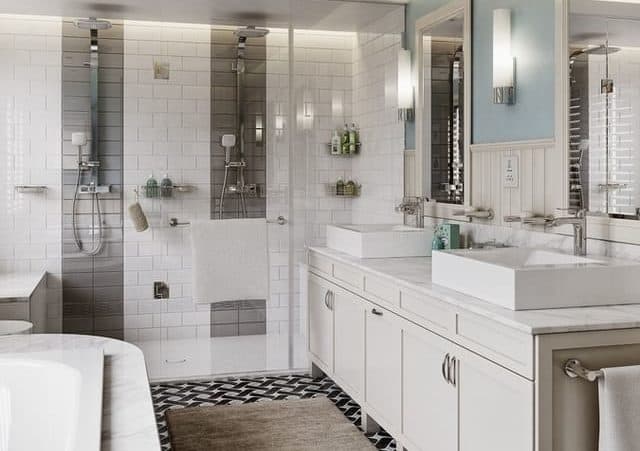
pixel 30 189
pixel 142 189
pixel 357 152
pixel 333 191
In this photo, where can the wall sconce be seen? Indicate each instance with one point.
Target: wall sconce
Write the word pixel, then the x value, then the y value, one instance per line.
pixel 405 86
pixel 504 88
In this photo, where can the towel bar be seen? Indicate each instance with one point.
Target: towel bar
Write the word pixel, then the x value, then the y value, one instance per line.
pixel 573 368
pixel 281 220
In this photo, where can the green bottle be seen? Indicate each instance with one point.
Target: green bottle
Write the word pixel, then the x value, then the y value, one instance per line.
pixel 352 139
pixel 345 140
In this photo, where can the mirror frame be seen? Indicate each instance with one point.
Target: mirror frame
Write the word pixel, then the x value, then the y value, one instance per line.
pixel 422 157
pixel 599 227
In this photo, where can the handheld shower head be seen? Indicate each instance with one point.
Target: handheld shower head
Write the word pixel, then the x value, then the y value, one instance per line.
pixel 92 24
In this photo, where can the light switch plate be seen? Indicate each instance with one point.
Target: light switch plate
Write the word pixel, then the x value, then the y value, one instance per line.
pixel 510 171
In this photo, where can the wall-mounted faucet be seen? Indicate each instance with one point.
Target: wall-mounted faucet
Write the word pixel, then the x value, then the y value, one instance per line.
pixel 413 206
pixel 578 220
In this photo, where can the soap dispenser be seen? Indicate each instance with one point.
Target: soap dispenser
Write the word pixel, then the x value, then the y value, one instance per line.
pixel 166 186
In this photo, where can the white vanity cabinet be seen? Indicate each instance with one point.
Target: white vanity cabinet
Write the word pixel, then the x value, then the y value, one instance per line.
pixel 495 406
pixel 441 371
pixel 429 396
pixel 428 391
pixel 321 327
pixel 349 351
pixel 382 371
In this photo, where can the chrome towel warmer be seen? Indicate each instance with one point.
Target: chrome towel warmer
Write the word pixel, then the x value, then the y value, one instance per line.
pixel 574 369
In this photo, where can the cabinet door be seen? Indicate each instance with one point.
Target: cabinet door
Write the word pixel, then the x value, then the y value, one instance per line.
pixel 495 406
pixel 320 322
pixel 349 317
pixel 429 400
pixel 382 373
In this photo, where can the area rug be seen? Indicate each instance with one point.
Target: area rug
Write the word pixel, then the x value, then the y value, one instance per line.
pixel 292 425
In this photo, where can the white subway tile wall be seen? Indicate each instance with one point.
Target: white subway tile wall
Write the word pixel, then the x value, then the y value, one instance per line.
pixel 166 131
pixel 338 78
pixel 30 151
pixel 380 168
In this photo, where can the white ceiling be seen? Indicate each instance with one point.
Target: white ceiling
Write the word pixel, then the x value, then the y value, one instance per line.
pixel 594 22
pixel 321 14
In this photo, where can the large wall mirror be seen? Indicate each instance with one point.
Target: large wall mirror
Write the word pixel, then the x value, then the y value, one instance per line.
pixel 443 61
pixel 603 108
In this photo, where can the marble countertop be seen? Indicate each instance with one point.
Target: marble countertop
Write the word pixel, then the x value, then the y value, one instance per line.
pixel 128 419
pixel 19 285
pixel 415 273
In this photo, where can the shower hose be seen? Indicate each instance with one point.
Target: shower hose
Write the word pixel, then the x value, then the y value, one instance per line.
pixel 95 206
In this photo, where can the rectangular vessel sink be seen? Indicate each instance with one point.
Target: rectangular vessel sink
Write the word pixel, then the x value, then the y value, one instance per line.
pixel 380 240
pixel 530 279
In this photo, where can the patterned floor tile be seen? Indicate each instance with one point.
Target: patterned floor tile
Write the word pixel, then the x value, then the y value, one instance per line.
pixel 256 389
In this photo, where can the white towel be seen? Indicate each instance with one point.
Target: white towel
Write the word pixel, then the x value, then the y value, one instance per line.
pixel 619 398
pixel 230 260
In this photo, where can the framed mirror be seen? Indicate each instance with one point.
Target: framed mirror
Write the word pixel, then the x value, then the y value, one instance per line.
pixel 443 105
pixel 602 107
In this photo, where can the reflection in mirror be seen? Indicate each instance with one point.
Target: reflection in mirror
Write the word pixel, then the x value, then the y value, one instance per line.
pixel 443 142
pixel 604 100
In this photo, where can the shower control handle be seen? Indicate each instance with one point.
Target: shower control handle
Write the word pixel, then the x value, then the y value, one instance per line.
pixel 280 220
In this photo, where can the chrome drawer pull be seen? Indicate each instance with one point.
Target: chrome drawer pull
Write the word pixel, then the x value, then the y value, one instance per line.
pixel 445 368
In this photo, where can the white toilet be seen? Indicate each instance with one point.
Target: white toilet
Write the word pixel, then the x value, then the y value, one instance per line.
pixel 15 327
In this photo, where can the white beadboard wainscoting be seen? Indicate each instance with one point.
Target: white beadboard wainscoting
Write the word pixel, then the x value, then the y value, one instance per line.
pixel 538 191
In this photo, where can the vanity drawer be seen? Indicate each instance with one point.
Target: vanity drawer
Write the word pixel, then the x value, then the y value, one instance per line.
pixel 504 345
pixel 378 288
pixel 349 275
pixel 320 263
pixel 433 311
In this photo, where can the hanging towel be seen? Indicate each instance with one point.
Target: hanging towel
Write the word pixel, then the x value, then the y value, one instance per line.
pixel 619 398
pixel 230 260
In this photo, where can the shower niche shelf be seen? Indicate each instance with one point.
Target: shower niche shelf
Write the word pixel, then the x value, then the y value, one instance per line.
pixel 333 191
pixel 30 189
pixel 160 192
pixel 344 155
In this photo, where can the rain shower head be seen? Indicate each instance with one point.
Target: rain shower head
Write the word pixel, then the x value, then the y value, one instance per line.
pixel 92 24
pixel 598 50
pixel 251 32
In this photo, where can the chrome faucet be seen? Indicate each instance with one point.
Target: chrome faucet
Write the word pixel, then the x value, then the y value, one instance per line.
pixel 579 222
pixel 413 206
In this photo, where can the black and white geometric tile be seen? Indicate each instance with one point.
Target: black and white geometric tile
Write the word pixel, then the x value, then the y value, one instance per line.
pixel 255 389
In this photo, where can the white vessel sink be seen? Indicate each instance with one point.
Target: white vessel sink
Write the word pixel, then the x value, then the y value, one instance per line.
pixel 530 279
pixel 380 240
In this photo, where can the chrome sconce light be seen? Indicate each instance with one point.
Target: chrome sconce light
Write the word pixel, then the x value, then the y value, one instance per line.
pixel 504 89
pixel 405 86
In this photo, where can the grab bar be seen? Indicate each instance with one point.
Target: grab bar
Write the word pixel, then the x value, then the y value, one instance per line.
pixel 281 220
pixel 573 368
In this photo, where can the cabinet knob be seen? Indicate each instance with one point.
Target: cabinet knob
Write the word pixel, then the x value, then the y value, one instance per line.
pixel 376 312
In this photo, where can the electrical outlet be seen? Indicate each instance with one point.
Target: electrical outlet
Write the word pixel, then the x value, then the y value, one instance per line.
pixel 510 171
pixel 160 290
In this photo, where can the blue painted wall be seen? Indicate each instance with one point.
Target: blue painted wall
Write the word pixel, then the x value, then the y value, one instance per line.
pixel 532 117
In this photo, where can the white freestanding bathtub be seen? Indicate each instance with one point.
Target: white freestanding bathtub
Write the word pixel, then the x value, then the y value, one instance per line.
pixel 51 400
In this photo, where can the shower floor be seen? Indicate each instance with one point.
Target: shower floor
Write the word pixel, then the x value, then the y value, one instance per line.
pixel 199 358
